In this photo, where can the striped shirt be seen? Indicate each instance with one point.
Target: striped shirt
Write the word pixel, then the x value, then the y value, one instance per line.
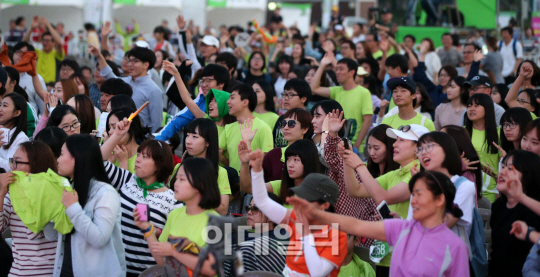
pixel 138 256
pixel 263 254
pixel 33 254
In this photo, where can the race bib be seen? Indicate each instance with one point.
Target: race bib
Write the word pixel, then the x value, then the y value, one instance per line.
pixel 378 250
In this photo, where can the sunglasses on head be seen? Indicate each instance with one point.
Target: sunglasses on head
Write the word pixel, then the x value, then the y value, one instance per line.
pixel 406 128
pixel 291 123
pixel 253 209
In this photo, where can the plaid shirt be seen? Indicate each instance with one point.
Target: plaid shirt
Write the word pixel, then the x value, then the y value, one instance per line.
pixel 95 95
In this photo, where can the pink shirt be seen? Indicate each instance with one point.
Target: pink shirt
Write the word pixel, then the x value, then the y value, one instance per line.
pixel 419 251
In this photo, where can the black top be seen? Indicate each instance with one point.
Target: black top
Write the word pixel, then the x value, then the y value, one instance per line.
pixel 509 253
pixel 249 78
pixel 279 140
pixel 232 84
pixel 67 266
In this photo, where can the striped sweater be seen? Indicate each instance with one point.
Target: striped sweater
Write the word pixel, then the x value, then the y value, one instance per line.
pixel 138 256
pixel 33 254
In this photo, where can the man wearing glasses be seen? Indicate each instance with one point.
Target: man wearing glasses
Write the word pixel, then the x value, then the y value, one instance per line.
pixel 213 76
pixel 482 84
pixel 139 61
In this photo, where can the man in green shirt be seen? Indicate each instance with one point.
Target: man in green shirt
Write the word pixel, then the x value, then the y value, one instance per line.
pixel 404 95
pixel 355 99
pixel 52 49
pixel 242 103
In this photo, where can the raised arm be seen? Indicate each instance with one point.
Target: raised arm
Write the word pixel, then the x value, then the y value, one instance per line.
pixel 101 60
pixel 57 39
pixel 316 80
pixel 35 25
pixel 347 224
pixel 511 97
pixel 105 32
pixel 122 128
pixel 245 177
pixel 184 93
pixel 43 94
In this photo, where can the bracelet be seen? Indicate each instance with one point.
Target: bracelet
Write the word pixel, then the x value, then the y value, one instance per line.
pixel 529 233
pixel 324 132
pixel 147 230
pixel 361 164
pixel 147 234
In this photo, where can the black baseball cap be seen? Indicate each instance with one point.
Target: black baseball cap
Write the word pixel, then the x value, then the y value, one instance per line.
pixel 316 187
pixel 478 81
pixel 406 82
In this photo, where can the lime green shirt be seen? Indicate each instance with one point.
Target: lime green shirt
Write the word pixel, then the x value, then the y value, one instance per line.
pixel 395 121
pixel 276 187
pixel 534 116
pixel 180 224
pixel 269 118
pixel 356 268
pixel 46 64
pixel 223 181
pixel 131 163
pixel 478 141
pixel 388 181
pixel 356 103
pixel 231 137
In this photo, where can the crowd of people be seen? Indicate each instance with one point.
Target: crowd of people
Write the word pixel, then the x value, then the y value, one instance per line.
pixel 309 138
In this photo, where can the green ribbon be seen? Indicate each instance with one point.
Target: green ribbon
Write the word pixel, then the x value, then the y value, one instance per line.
pixel 142 184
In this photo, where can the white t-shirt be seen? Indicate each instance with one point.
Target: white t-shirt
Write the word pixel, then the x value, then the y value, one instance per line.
pixel 279 87
pixel 433 64
pixel 25 81
pixel 359 38
pixel 509 59
pixel 464 198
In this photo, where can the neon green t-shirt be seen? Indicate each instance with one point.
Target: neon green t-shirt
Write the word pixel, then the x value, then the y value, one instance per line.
pixel 180 224
pixel 534 116
pixel 355 268
pixel 269 118
pixel 395 122
pixel 276 187
pixel 478 141
pixel 223 181
pixel 356 103
pixel 131 163
pixel 388 181
pixel 231 137
pixel 46 64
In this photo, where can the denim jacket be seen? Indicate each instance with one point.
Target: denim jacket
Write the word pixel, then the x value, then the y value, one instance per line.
pixel 96 244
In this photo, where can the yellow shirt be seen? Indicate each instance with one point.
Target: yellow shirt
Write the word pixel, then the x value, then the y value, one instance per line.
pixel 46 64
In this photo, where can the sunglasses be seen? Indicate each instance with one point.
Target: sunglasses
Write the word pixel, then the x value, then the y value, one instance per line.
pixel 291 123
pixel 253 209
pixel 406 128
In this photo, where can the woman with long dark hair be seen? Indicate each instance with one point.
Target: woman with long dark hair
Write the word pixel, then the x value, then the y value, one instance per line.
pixel 513 122
pixel 319 112
pixel 531 137
pixel 451 113
pixel 125 152
pixel 12 86
pixel 32 253
pixel 12 117
pixel 522 94
pixel 266 98
pixel 498 94
pixel 255 69
pixel 202 141
pixel 381 151
pixel 54 137
pixel 482 127
pixel 94 210
pixel 85 111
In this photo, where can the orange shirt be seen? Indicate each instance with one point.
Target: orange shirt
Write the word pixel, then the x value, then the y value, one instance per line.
pixel 331 244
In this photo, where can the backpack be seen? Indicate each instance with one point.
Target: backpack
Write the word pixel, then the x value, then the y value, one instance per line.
pixel 513 46
pixel 476 242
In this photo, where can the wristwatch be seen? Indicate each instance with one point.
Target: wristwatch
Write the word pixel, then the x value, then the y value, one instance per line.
pixel 324 132
pixel 529 233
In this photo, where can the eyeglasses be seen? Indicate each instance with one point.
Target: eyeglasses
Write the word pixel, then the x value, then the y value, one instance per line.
pixel 425 149
pixel 74 126
pixel 132 60
pixel 253 209
pixel 205 81
pixel 508 125
pixel 66 69
pixel 288 96
pixel 477 88
pixel 521 101
pixel 15 163
pixel 406 128
pixel 291 123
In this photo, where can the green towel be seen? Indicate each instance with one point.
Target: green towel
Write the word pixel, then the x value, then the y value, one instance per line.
pixel 37 200
pixel 221 99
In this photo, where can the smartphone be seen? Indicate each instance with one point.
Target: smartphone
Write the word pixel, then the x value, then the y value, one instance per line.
pixel 305 61
pixel 345 137
pixel 144 212
pixel 5 133
pixel 384 210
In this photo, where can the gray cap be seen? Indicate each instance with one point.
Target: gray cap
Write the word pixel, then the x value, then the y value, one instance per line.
pixel 3 76
pixel 317 186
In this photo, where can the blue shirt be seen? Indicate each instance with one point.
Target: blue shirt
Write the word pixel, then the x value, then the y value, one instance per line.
pixel 181 119
pixel 95 95
pixel 144 89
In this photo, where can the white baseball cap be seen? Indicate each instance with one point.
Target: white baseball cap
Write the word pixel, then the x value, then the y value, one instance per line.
pixel 210 41
pixel 143 44
pixel 409 132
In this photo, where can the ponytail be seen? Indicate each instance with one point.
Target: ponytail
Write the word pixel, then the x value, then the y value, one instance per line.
pixel 456 211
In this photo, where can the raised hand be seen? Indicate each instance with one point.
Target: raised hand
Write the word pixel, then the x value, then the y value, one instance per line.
pixel 106 29
pixel 467 163
pixel 519 229
pixel 335 122
pixel 478 55
pixel 503 153
pixel 514 187
pixel 170 68
pixel 53 101
pixel 424 47
pixel 303 221
pixel 526 70
pixel 246 130
pixel 243 151
pixel 122 127
pixel 35 22
pixel 181 22
pixel 94 51
pixel 256 159
pixel 301 206
pixel 327 59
